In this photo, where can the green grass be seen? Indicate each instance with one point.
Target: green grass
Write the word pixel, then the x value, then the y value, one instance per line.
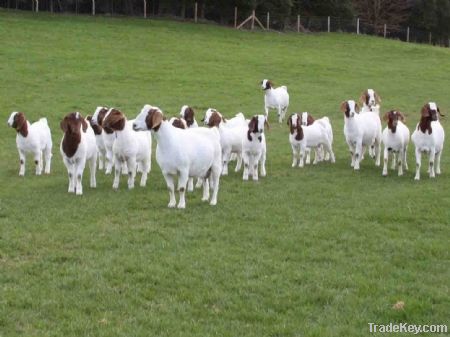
pixel 319 251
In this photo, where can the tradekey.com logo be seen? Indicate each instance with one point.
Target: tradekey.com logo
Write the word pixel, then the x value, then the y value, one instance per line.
pixel 407 328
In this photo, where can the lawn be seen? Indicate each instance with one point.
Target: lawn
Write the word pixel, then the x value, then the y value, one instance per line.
pixel 318 251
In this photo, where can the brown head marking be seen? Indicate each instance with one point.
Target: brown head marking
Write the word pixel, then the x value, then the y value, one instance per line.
pixel 20 124
pixel 252 127
pixel 71 125
pixel 154 119
pixel 215 119
pixel 427 115
pixel 178 123
pixel 189 116
pixel 114 121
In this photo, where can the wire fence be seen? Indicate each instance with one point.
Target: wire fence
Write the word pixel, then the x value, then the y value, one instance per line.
pixel 240 19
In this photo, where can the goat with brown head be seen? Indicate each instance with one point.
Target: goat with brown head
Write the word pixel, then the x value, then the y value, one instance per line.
pixel 32 138
pixel 429 138
pixel 78 146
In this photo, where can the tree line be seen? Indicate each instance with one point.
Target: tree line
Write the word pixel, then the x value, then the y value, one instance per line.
pixel 428 15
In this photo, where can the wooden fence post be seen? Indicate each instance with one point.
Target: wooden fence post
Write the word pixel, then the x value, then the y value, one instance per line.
pixel 329 24
pixel 268 20
pixel 253 19
pixel 195 11
pixel 298 23
pixel 93 7
pixel 235 17
pixel 357 26
pixel 145 9
pixel 385 30
pixel 37 6
pixel 429 38
pixel 407 34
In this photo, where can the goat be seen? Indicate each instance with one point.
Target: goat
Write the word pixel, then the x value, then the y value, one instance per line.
pixel 194 152
pixel 275 98
pixel 107 136
pixel 130 148
pixel 254 148
pixel 303 137
pixel 428 137
pixel 370 101
pixel 78 145
pixel 361 130
pixel 395 138
pixel 307 119
pixel 100 113
pixel 33 138
pixel 230 137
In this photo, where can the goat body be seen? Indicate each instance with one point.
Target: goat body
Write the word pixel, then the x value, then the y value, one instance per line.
pixel 32 138
pixel 78 145
pixel 182 153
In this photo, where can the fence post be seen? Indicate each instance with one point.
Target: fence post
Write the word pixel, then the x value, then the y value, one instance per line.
pixel 235 17
pixel 195 11
pixel 298 23
pixel 93 7
pixel 253 19
pixel 357 26
pixel 407 34
pixel 429 38
pixel 385 30
pixel 37 6
pixel 268 20
pixel 329 24
pixel 145 9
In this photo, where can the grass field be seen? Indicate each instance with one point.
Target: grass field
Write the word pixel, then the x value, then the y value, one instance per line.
pixel 319 251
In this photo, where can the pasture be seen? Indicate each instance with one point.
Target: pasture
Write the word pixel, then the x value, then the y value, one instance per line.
pixel 318 251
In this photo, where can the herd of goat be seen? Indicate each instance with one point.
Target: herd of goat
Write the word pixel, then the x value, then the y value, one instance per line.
pixel 186 151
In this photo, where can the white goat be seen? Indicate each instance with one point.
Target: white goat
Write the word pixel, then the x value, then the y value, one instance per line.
pixel 304 137
pixel 33 138
pixel 99 113
pixel 275 98
pixel 107 135
pixel 307 119
pixel 78 145
pixel 130 147
pixel 428 137
pixel 230 137
pixel 187 153
pixel 370 101
pixel 395 139
pixel 361 130
pixel 254 148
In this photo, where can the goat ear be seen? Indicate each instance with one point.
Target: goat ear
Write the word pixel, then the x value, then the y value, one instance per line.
pixel 401 116
pixel 251 127
pixel 362 98
pixel 439 112
pixel 425 112
pixel 357 107
pixel 156 118
pixel 64 125
pixel 344 106
pixel 386 116
pixel 84 124
pixel 377 98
